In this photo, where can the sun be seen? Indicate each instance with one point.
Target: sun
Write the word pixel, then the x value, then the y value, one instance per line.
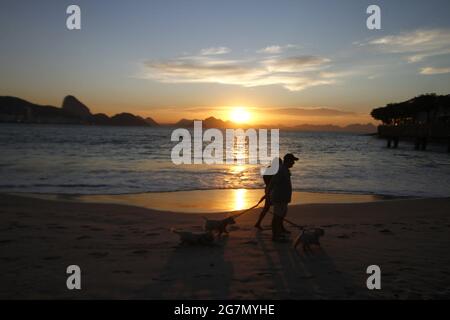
pixel 240 115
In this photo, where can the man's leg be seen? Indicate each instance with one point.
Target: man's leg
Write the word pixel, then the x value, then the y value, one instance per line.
pixel 279 211
pixel 263 214
pixel 285 210
pixel 274 222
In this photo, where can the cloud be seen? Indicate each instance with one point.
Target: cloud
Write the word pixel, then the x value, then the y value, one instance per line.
pixel 214 51
pixel 271 50
pixel 292 112
pixel 276 49
pixel 432 70
pixel 416 45
pixel 294 64
pixel 293 73
pixel 312 112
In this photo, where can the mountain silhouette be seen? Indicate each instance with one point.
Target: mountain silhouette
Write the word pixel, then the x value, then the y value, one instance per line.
pixel 73 111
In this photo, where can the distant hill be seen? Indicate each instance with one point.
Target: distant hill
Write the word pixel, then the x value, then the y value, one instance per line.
pixel 73 111
pixel 151 122
pixel 352 128
pixel 128 119
pixel 212 122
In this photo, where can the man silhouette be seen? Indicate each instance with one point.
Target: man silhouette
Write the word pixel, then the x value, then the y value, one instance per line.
pixel 280 192
pixel 267 203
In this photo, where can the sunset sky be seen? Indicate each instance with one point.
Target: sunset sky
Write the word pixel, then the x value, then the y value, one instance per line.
pixel 288 62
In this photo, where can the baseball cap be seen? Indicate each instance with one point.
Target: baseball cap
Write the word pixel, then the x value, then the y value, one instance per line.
pixel 290 156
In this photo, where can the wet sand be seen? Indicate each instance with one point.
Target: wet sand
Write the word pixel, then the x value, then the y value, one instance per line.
pixel 208 201
pixel 128 252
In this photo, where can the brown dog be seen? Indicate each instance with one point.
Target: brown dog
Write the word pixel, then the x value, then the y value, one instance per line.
pixel 309 237
pixel 218 225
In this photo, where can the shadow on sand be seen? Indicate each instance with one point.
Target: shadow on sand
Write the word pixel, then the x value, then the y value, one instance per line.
pixel 188 275
pixel 299 275
pixel 278 271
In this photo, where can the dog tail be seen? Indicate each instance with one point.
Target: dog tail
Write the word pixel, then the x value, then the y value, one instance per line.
pixel 174 230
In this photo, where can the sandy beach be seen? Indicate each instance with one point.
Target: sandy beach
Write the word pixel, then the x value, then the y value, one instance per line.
pixel 128 252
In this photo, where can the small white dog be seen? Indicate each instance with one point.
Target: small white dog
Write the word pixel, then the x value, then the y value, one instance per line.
pixel 309 237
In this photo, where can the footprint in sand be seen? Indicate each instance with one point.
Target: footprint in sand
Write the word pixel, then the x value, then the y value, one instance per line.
pixel 328 226
pixel 82 237
pixel 140 251
pixel 243 280
pixel 5 241
pixel 99 254
pixel 152 234
pixel 15 224
pixel 123 271
pixel 203 275
pixel 162 279
pixel 56 227
pixel 52 258
pixel 118 235
pixel 265 274
pixel 343 236
pixel 9 259
pixel 396 262
pixel 386 231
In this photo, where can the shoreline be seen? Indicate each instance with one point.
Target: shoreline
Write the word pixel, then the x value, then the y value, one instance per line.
pixel 193 201
pixel 128 252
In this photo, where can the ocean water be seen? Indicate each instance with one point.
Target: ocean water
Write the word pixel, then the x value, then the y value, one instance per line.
pixel 117 160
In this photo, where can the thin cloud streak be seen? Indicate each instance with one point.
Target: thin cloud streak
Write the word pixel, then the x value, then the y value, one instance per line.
pixel 416 45
pixel 294 73
pixel 214 51
pixel 432 70
pixel 312 112
pixel 276 49
pixel 293 111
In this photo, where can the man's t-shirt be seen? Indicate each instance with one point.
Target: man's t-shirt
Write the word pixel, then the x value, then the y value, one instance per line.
pixel 281 186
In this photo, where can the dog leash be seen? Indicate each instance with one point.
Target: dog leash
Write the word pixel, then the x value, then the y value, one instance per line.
pixel 290 222
pixel 261 200
pixel 247 210
pixel 272 213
